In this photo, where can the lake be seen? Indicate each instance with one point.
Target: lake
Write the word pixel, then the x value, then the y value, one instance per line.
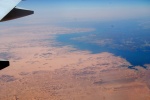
pixel 122 38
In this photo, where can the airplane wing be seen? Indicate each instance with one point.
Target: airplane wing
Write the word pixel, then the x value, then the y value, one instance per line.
pixel 6 6
pixel 8 10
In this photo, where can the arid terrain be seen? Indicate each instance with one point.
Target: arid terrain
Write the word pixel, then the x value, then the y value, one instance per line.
pixel 41 69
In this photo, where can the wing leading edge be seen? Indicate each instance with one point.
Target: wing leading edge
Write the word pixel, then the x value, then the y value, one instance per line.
pixel 8 10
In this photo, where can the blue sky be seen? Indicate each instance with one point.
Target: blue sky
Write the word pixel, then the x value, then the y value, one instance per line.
pixel 36 3
pixel 85 10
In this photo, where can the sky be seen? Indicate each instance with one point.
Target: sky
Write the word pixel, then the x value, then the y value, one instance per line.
pixel 85 10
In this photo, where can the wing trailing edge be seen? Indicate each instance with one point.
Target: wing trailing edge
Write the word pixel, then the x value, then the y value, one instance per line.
pixel 17 13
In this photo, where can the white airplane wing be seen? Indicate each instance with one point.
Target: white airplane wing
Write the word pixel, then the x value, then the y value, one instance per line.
pixel 9 11
pixel 6 6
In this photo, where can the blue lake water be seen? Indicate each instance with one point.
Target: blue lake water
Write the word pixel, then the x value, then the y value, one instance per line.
pixel 134 52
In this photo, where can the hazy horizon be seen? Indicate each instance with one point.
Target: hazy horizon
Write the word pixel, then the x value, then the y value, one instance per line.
pixel 61 11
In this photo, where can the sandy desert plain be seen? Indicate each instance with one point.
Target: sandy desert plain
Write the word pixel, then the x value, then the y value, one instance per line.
pixel 41 69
